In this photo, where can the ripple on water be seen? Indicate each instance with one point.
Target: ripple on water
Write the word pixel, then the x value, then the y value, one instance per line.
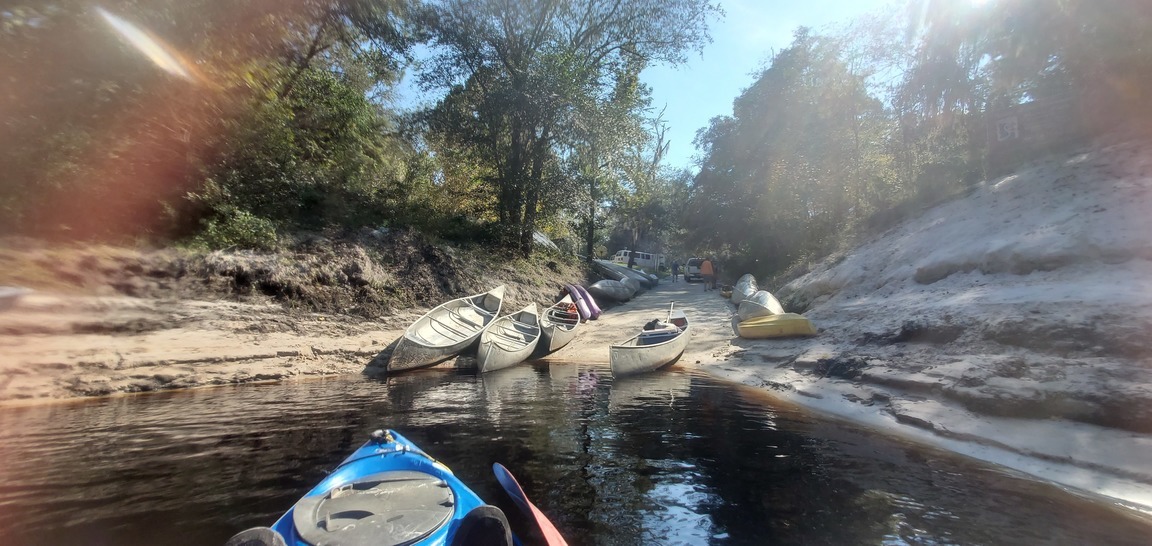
pixel 666 458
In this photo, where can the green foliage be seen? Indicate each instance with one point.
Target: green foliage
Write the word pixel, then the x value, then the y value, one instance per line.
pixel 525 79
pixel 236 229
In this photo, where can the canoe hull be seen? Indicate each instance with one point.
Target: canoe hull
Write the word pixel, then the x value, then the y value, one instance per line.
pixel 761 304
pixel 589 300
pixel 443 333
pixel 744 289
pixel 634 356
pixel 620 272
pixel 509 340
pixel 557 326
pixel 611 290
pixel 776 326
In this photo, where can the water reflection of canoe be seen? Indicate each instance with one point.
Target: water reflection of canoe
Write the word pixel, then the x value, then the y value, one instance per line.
pixel 387 492
pixel 650 350
pixel 761 304
pixel 446 331
pixel 509 340
pixel 512 385
pixel 558 325
pixel 654 388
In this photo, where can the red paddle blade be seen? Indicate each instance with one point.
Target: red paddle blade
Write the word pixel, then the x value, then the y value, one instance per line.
pixel 551 535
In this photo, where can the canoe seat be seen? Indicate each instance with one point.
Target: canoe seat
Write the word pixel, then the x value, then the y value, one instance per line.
pixel 478 308
pixel 525 324
pixel 505 335
pixel 657 336
pixel 459 316
pixel 452 332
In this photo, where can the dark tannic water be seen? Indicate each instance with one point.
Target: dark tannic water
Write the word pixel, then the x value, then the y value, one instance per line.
pixel 667 458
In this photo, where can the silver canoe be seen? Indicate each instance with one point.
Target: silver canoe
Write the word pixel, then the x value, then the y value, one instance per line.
pixel 558 325
pixel 613 273
pixel 614 270
pixel 761 304
pixel 744 288
pixel 650 350
pixel 612 290
pixel 509 340
pixel 446 331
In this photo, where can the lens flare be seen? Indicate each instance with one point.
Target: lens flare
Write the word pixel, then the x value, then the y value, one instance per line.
pixel 160 53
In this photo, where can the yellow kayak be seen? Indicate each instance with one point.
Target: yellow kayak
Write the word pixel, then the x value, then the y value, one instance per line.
pixel 785 325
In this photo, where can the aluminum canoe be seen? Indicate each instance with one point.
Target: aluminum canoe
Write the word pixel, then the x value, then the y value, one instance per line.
pixel 446 331
pixel 612 290
pixel 744 289
pixel 558 325
pixel 638 354
pixel 761 304
pixel 509 340
pixel 619 272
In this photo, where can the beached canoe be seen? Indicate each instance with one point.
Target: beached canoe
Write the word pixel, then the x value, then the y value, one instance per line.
pixel 651 349
pixel 588 299
pixel 774 326
pixel 618 271
pixel 446 331
pixel 388 491
pixel 744 289
pixel 509 340
pixel 761 304
pixel 558 325
pixel 608 289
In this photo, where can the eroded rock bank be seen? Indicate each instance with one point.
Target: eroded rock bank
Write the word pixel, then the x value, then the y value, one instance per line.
pixel 1013 322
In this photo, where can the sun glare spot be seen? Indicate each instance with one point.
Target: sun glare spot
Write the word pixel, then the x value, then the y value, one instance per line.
pixel 156 50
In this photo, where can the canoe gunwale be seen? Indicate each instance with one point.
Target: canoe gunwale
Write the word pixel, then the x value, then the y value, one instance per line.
pixel 499 349
pixel 414 350
pixel 628 358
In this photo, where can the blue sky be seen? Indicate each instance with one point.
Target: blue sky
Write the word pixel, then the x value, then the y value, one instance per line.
pixel 742 43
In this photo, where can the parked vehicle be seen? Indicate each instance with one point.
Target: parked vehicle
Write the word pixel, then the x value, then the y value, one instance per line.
pixel 692 270
pixel 643 259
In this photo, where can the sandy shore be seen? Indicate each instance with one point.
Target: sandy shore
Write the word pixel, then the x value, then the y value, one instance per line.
pixel 57 348
pixel 1088 459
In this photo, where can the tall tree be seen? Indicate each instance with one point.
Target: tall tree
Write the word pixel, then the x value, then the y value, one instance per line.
pixel 534 63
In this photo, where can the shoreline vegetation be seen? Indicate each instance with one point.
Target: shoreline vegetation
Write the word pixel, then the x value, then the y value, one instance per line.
pixel 1033 359
pixel 956 194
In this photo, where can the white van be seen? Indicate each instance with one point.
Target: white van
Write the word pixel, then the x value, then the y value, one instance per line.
pixel 643 259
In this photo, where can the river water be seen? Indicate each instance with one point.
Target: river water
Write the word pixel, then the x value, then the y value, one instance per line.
pixel 665 458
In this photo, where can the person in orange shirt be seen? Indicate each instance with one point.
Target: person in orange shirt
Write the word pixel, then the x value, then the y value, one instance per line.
pixel 709 274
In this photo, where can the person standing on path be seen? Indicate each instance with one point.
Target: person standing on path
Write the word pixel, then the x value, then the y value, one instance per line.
pixel 708 273
pixel 675 270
